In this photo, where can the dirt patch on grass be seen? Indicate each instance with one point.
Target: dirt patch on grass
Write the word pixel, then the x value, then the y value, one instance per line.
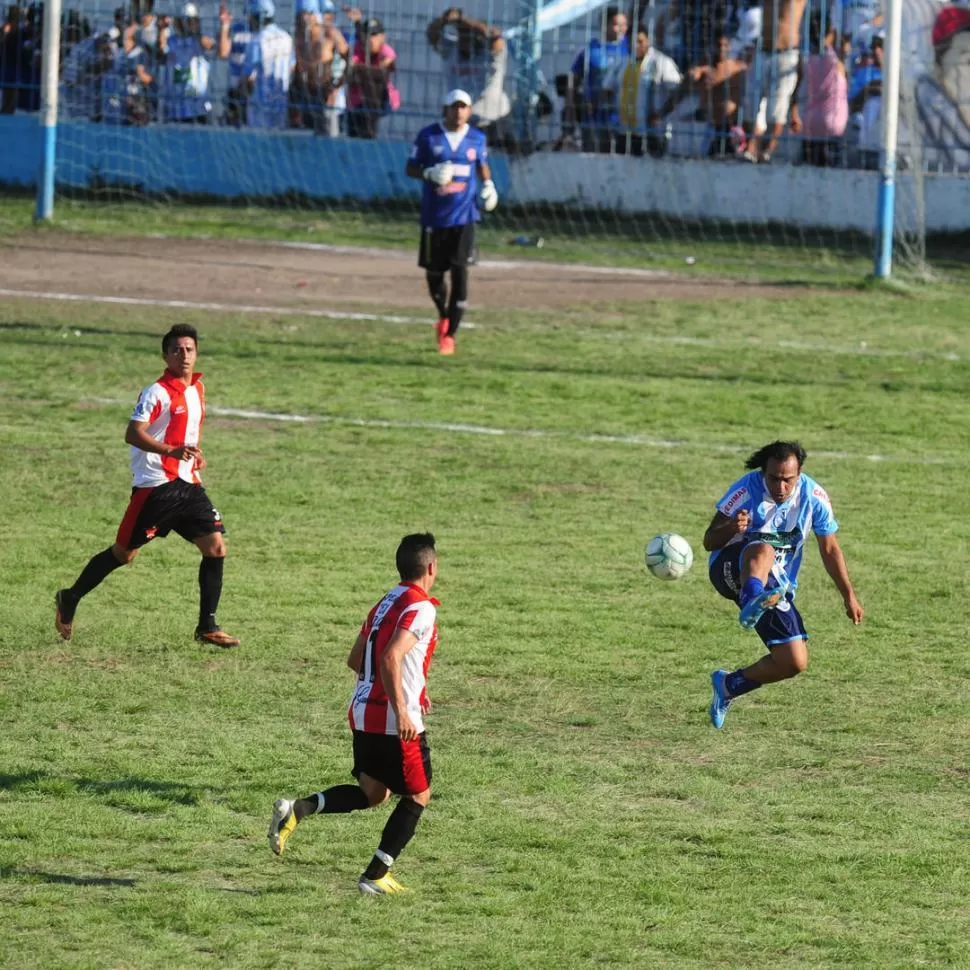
pixel 296 277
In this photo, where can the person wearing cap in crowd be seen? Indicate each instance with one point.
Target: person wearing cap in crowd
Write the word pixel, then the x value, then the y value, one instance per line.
pixel 371 90
pixel 474 56
pixel 268 68
pixel 451 158
pixel 261 63
pixel 943 93
pixel 188 55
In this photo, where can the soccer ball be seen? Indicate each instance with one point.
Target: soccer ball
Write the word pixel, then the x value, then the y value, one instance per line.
pixel 669 556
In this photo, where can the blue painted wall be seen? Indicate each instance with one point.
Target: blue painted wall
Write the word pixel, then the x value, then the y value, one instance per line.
pixel 212 161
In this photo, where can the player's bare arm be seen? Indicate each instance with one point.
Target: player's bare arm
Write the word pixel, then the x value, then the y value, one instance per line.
pixel 724 528
pixel 356 655
pixel 391 676
pixel 137 436
pixel 484 171
pixel 834 562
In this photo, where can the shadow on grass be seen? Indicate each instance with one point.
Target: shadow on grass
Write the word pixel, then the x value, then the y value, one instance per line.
pixel 59 879
pixel 44 782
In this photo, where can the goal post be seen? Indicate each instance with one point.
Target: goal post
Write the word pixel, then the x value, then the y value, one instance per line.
pixel 50 58
pixel 886 208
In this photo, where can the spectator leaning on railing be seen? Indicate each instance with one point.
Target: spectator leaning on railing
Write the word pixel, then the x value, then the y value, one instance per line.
pixel 719 88
pixel 371 86
pixel 475 57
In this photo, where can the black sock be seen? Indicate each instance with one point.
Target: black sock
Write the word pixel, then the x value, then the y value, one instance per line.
pixel 210 589
pixel 459 298
pixel 397 833
pixel 737 684
pixel 340 799
pixel 436 287
pixel 92 575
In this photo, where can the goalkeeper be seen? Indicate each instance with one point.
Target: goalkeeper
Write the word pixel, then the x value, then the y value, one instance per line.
pixel 451 158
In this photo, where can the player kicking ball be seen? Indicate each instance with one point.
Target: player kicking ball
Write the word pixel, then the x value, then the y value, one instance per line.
pixel 451 158
pixel 756 539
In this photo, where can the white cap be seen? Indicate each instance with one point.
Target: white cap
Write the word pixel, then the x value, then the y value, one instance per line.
pixel 457 95
pixel 190 10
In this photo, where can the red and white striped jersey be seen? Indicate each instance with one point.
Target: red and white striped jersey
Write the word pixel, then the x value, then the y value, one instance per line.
pixel 406 607
pixel 174 413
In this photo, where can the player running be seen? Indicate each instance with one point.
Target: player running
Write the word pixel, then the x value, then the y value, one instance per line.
pixel 164 432
pixel 451 158
pixel 755 540
pixel 391 657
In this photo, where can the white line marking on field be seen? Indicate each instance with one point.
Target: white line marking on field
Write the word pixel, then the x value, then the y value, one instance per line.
pixel 299 311
pixel 860 350
pixel 478 429
pixel 530 264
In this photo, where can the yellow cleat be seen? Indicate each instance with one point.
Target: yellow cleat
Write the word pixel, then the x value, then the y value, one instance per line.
pixel 384 886
pixel 281 825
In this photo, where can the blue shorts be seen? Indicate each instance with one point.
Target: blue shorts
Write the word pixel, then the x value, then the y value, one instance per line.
pixel 781 624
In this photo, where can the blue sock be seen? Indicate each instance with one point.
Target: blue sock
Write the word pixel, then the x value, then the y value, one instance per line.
pixel 737 684
pixel 751 588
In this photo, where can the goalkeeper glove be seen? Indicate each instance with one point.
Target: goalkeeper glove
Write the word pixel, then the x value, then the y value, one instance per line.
pixel 440 174
pixel 489 195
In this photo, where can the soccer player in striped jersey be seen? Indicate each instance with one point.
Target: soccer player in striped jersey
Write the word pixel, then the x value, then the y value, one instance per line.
pixel 164 432
pixel 451 158
pixel 390 657
pixel 756 539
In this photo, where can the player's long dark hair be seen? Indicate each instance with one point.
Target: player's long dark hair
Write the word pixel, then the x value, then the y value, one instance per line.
pixel 179 330
pixel 779 451
pixel 414 554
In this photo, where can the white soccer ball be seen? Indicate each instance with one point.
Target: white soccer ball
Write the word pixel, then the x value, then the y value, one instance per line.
pixel 669 556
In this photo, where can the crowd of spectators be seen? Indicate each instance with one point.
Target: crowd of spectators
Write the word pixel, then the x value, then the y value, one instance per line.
pixel 742 76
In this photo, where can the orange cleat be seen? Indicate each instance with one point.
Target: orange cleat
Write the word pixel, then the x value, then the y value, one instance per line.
pixel 446 346
pixel 63 615
pixel 218 638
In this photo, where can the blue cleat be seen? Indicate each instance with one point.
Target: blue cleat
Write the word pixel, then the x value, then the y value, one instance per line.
pixel 755 608
pixel 720 702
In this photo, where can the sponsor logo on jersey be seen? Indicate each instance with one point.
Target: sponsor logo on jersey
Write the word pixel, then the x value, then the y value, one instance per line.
pixel 436 149
pixel 820 492
pixel 178 410
pixel 452 188
pixel 735 500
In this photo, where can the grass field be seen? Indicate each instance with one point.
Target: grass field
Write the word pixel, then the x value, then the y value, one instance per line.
pixel 585 814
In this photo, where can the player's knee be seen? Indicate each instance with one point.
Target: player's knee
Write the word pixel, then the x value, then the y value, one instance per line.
pixel 123 554
pixel 421 798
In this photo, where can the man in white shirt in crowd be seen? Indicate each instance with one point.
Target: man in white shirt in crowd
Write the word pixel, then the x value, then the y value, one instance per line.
pixel 638 87
pixel 260 71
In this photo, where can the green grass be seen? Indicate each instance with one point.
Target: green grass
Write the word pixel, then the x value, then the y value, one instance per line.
pixel 585 814
pixel 738 251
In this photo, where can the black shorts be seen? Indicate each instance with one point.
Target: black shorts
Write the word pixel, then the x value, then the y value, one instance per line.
pixel 440 249
pixel 155 512
pixel 402 766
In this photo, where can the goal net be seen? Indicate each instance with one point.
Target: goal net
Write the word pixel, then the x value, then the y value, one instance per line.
pixel 672 130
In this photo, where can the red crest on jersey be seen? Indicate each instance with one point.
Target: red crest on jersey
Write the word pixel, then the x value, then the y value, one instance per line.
pixel 471 154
